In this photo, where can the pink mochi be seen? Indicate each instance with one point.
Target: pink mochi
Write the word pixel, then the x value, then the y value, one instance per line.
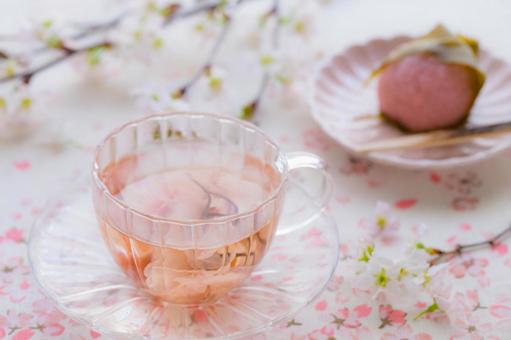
pixel 421 93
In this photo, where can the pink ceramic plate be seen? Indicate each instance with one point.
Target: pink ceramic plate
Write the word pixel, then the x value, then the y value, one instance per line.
pixel 340 95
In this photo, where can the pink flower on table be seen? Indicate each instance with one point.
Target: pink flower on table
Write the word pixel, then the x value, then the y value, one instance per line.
pixel 356 166
pixel 16 325
pixel 52 329
pixel 469 326
pixel 391 317
pixel 11 269
pixel 405 332
pixel 46 311
pixel 463 183
pixel 315 237
pixel 351 318
pixel 500 311
pixel 466 264
pixel 23 334
pixel 314 138
pixel 12 234
pixel 464 203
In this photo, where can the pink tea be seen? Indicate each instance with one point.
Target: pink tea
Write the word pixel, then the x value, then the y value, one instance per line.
pixel 183 182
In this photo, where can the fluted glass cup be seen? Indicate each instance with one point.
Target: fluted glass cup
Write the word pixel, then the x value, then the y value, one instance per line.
pixel 185 260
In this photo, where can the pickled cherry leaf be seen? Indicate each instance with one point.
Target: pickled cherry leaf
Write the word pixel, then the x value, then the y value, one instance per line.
pixel 447 47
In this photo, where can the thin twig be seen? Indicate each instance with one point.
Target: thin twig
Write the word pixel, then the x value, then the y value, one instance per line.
pixel 443 255
pixel 102 26
pixel 204 6
pixel 211 57
pixel 26 76
pixel 249 110
pixel 87 31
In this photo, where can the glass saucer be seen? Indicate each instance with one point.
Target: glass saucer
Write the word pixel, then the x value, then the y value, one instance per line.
pixel 74 268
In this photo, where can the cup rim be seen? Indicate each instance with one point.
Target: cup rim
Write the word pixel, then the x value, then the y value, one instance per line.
pixel 191 222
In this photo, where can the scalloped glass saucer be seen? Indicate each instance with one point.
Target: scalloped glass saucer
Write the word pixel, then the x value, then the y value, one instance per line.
pixel 74 268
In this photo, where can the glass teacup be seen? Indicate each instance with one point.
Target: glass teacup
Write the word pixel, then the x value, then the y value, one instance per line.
pixel 188 203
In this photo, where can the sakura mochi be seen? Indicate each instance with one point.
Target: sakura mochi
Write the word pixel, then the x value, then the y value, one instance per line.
pixel 431 82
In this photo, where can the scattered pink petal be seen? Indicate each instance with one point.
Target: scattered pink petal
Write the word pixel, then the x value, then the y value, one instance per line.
pixel 435 177
pixel 95 334
pixel 283 139
pixel 23 334
pixel 343 199
pixel 397 317
pixel 200 316
pixel 362 311
pixel 457 271
pixel 372 183
pixel 422 336
pixel 352 323
pixel 344 249
pixel 15 299
pixel 500 248
pixel 328 331
pixel 312 232
pixel 500 311
pixel 405 203
pixel 256 278
pixel 54 329
pixel 421 305
pixel 314 138
pixel 343 313
pixel 14 234
pixel 465 227
pixel 36 211
pixel 2 333
pixel 473 296
pixel 22 165
pixel 452 239
pixel 24 285
pixel 321 305
pixel 17 216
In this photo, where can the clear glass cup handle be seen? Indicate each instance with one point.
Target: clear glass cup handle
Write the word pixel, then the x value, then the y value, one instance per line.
pixel 318 191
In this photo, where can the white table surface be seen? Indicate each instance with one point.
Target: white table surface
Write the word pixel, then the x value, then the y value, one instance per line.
pixel 85 108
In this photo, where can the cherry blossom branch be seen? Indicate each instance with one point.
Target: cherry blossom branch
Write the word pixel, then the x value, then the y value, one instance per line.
pixel 172 13
pixel 249 109
pixel 443 255
pixel 26 76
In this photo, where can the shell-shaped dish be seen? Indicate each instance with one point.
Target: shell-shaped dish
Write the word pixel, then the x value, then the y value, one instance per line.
pixel 343 101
